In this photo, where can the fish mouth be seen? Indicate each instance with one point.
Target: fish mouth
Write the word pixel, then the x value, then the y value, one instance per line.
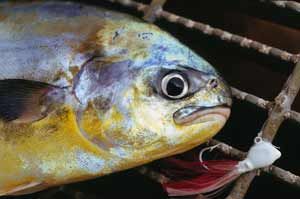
pixel 196 114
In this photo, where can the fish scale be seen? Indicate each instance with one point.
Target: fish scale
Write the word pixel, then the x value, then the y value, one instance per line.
pixel 31 51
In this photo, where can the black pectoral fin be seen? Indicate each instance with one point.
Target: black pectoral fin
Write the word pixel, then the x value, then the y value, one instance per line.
pixel 23 101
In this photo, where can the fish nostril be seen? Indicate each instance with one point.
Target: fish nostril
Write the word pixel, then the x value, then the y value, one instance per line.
pixel 212 83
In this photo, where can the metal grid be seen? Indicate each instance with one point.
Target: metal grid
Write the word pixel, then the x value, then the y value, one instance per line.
pixel 293 5
pixel 279 109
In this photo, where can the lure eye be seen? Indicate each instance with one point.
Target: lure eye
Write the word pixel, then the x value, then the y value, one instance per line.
pixel 174 86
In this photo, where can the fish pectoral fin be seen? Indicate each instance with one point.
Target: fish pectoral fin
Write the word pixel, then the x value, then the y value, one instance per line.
pixel 23 101
pixel 19 189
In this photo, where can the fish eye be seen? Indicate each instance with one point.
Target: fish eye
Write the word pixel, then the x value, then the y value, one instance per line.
pixel 174 86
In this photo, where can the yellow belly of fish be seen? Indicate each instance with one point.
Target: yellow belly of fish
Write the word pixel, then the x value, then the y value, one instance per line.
pixel 46 153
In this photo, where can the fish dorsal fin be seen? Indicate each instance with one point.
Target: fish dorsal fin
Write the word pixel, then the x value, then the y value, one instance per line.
pixel 23 101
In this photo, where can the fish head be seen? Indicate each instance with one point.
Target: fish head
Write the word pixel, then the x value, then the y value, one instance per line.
pixel 182 106
pixel 150 96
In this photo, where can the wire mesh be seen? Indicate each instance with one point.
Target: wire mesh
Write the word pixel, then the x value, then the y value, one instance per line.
pixel 293 5
pixel 279 109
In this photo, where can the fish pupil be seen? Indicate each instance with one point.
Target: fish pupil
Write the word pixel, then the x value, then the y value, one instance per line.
pixel 175 86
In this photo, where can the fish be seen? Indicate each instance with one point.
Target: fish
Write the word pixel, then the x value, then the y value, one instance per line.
pixel 86 91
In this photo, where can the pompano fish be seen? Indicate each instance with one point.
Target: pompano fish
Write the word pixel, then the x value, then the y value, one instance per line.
pixel 85 92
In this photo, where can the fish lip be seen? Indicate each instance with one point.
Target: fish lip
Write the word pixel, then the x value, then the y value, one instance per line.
pixel 198 114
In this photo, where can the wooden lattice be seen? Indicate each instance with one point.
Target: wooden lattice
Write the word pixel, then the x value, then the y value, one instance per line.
pixel 279 109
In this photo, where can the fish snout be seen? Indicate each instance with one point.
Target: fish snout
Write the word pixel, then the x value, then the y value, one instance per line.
pixel 198 114
pixel 204 111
